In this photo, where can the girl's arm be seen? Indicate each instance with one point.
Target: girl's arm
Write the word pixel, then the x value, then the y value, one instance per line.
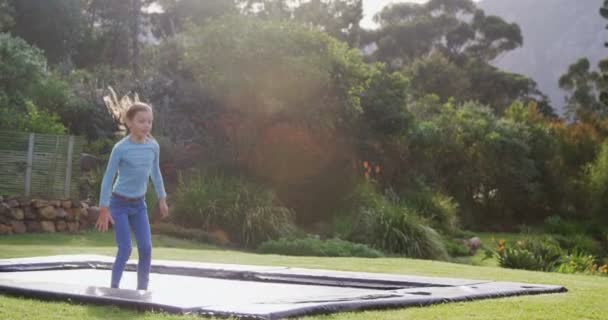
pixel 157 180
pixel 106 186
pixel 108 178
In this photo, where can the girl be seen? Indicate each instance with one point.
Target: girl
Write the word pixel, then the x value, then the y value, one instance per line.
pixel 135 158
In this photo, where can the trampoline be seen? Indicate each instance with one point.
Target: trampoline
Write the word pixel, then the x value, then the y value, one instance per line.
pixel 248 292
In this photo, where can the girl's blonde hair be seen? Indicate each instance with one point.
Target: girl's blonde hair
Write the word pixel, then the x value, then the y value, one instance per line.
pixel 138 107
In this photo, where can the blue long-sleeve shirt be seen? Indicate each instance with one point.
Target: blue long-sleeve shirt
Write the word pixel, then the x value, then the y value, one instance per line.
pixel 135 163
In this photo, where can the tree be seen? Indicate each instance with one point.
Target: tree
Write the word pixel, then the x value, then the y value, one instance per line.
pixel 53 26
pixel 597 183
pixel 22 68
pixel 22 76
pixel 584 87
pixel 112 33
pixel 279 103
pixel 604 63
pixel 178 14
pixel 6 15
pixel 339 18
pixel 408 31
pixel 482 161
pixel 384 105
pixel 446 48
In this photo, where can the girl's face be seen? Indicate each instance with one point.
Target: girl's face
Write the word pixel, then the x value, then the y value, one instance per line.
pixel 141 124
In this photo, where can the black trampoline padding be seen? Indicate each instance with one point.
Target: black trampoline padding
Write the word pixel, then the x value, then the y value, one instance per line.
pixel 256 292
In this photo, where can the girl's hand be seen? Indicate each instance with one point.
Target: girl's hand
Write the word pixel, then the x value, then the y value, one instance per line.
pixel 162 208
pixel 103 219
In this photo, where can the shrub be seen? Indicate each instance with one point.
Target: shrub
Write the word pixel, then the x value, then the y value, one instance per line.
pixel 389 226
pixel 577 261
pixel 32 120
pixel 557 225
pixel 22 67
pixel 529 253
pixel 244 210
pixel 456 248
pixel 440 209
pixel 317 247
pixel 89 184
pixel 578 243
pixel 597 182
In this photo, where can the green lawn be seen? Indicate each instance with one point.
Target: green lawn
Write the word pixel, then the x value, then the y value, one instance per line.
pixel 586 298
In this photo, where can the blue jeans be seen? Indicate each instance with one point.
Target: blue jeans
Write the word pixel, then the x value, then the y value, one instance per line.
pixel 131 215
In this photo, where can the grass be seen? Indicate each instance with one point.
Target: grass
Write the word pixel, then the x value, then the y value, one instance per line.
pixel 585 299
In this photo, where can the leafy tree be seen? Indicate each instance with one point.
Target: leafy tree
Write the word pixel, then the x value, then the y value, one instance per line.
pixel 604 63
pixel 480 160
pixel 275 91
pixel 22 68
pixel 438 75
pixel 112 32
pixel 6 15
pixel 339 18
pixel 33 95
pixel 384 104
pixel 277 69
pixel 597 175
pixel 446 48
pixel 584 86
pixel 53 26
pixel 33 120
pixel 457 28
pixel 178 14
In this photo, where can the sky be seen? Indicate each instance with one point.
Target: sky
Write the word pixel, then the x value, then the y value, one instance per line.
pixel 371 7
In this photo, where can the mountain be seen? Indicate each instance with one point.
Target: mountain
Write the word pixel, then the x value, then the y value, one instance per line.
pixel 556 34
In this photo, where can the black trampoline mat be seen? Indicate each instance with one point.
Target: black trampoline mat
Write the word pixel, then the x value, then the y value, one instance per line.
pixel 239 290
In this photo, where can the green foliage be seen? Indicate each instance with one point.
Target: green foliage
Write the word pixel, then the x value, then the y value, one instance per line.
pixel 560 226
pixel 384 103
pixel 178 14
pixel 100 147
pixel 436 74
pixel 390 226
pixel 22 68
pixel 238 60
pixel 316 247
pixel 456 248
pixel 38 100
pixel 482 161
pixel 6 15
pixel 597 175
pixel 439 209
pixel 33 120
pixel 579 243
pixel 55 26
pixel 583 86
pixel 446 48
pixel 577 262
pixel 90 184
pixel 604 63
pixel 84 110
pixel 245 211
pixel 530 253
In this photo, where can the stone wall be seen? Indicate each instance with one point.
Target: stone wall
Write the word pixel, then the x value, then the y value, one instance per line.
pixel 19 216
